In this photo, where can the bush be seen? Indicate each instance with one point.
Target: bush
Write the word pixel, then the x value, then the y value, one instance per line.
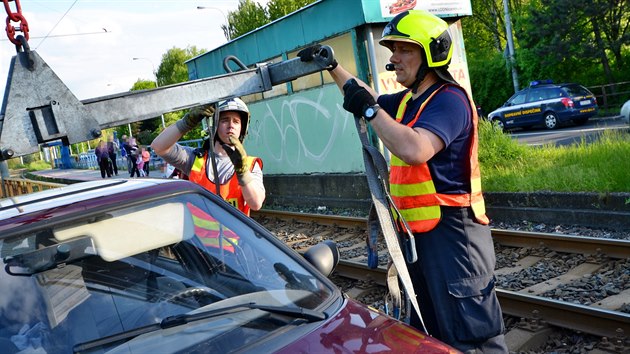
pixel 38 165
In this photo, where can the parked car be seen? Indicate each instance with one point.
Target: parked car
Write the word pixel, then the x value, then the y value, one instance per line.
pixel 163 266
pixel 546 104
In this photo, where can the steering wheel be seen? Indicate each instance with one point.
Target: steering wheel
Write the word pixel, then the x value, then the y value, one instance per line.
pixel 197 293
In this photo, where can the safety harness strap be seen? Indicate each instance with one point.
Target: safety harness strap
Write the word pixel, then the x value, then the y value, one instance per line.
pixel 376 172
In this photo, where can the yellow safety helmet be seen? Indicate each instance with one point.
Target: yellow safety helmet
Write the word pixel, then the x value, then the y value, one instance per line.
pixel 425 29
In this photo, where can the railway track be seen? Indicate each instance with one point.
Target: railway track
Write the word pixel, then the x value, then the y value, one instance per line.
pixel 545 280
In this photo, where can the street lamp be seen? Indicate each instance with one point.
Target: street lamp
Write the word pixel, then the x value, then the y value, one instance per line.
pixel 227 32
pixel 156 83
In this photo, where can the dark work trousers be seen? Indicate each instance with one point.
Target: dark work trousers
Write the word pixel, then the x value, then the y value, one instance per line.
pixel 134 166
pixel 103 164
pixel 454 282
pixel 114 166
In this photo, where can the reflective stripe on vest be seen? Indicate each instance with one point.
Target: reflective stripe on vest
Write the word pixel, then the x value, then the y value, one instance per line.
pixel 412 188
pixel 208 229
pixel 229 191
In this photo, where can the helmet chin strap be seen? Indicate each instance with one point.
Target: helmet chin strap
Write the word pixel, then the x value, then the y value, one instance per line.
pixel 422 73
pixel 216 138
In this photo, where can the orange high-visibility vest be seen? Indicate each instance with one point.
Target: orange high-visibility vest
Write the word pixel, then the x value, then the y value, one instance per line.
pixel 412 188
pixel 230 191
pixel 208 229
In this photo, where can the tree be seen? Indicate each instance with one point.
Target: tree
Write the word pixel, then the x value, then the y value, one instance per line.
pixel 591 32
pixel 172 69
pixel 251 15
pixel 583 41
pixel 485 40
pixel 280 8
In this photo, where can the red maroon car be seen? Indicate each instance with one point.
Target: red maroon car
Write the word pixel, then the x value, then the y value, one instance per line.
pixel 162 266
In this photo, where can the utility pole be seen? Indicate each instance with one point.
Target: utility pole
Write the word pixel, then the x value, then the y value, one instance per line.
pixel 510 45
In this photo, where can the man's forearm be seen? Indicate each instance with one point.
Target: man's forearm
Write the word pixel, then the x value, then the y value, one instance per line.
pixel 254 194
pixel 341 75
pixel 164 142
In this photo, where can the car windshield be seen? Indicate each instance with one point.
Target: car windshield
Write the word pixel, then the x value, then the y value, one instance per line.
pixel 109 272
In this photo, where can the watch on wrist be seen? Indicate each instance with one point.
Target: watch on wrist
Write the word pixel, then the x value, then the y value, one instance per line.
pixel 370 112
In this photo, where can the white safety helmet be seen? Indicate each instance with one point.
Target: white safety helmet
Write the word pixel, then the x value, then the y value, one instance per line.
pixel 237 105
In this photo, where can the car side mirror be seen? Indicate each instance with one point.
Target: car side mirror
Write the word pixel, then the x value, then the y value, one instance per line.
pixel 324 256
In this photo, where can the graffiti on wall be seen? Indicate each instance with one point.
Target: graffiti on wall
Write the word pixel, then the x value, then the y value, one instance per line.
pixel 307 132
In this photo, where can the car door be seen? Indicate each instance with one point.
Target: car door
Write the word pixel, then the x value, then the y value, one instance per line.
pixel 512 111
pixel 531 110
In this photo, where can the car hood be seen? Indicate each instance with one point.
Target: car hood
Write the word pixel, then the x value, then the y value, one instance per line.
pixel 359 329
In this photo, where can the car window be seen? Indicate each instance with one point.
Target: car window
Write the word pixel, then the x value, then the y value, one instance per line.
pixel 518 98
pixel 537 94
pixel 62 277
pixel 576 90
pixel 553 92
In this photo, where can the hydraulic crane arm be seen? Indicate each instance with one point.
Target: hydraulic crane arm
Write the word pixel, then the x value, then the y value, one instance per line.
pixel 38 107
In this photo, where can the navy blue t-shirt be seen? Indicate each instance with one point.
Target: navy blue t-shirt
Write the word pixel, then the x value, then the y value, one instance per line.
pixel 449 116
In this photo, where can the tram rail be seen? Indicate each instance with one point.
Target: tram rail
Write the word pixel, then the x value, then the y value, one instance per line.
pixel 535 310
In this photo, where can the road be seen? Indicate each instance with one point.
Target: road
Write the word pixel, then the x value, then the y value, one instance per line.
pixel 569 134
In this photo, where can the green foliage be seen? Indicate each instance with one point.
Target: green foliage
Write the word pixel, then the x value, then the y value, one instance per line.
pixel 172 69
pixel 280 8
pixel 38 165
pixel 141 84
pixel 599 166
pixel 583 41
pixel 250 15
pixel 498 149
pixel 491 81
pixel 15 164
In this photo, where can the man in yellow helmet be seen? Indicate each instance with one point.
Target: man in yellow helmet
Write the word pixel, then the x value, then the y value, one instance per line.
pixel 430 128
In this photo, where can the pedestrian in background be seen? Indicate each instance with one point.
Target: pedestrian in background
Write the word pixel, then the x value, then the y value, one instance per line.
pixel 124 151
pixel 102 157
pixel 430 128
pixel 146 160
pixel 133 154
pixel 112 149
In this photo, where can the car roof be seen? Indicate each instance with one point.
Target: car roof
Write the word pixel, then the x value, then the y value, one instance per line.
pixel 101 192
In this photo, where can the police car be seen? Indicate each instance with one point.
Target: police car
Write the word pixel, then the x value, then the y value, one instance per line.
pixel 546 104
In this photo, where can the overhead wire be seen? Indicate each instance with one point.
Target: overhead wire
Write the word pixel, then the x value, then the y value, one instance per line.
pixel 56 24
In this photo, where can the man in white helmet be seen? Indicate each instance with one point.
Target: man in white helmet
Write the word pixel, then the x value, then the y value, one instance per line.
pixel 430 128
pixel 239 176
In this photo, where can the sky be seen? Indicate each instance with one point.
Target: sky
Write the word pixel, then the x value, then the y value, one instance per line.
pixel 90 44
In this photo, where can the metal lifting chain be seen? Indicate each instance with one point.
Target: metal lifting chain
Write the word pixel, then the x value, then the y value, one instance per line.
pixel 19 41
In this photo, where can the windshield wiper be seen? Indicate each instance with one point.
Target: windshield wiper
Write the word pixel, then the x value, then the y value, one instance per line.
pixel 178 320
pixel 297 312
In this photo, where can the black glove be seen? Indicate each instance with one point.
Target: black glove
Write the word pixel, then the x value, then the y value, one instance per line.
pixel 356 98
pixel 308 53
pixel 238 156
pixel 191 119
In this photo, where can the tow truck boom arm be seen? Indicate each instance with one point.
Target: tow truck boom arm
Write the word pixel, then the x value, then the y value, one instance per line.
pixel 38 107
